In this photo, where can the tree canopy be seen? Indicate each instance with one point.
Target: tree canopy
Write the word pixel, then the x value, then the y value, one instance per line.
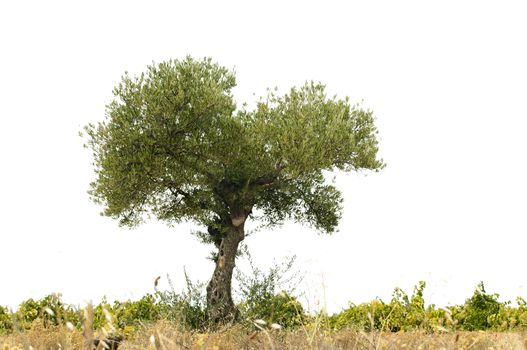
pixel 174 145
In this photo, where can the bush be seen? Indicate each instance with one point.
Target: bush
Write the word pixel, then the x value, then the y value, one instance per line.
pixel 481 311
pixel 280 308
pixel 50 309
pixel 6 320
pixel 510 318
pixel 99 316
pixel 27 312
pixel 186 308
pixel 408 313
pixel 268 296
pixel 365 316
pixel 402 313
pixel 130 313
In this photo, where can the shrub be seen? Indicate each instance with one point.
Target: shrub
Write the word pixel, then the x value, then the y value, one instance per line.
pixel 130 313
pixel 268 296
pixel 402 313
pixel 481 311
pixel 99 316
pixel 365 316
pixel 27 312
pixel 280 308
pixel 186 308
pixel 407 313
pixel 510 318
pixel 50 309
pixel 6 320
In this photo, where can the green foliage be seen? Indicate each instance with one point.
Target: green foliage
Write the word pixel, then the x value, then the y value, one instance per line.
pixel 509 317
pixel 99 316
pixel 364 316
pixel 157 147
pixel 28 311
pixel 407 313
pixel 173 145
pixel 50 309
pixel 186 308
pixel 261 297
pixel 6 320
pixel 482 311
pixel 129 313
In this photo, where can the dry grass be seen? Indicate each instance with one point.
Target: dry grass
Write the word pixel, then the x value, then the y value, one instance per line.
pixel 237 338
pixel 167 336
pixel 40 337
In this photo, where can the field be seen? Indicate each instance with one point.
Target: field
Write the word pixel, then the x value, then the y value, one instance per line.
pixel 270 317
pixel 164 335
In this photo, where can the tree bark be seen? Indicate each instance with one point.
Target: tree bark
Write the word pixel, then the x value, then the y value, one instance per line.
pixel 220 307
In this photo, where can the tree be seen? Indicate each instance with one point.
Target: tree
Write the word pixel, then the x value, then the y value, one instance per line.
pixel 174 146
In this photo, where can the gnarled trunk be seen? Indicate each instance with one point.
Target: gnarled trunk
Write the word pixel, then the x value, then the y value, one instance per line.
pixel 220 307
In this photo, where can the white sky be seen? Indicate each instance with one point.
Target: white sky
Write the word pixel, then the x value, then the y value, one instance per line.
pixel 447 81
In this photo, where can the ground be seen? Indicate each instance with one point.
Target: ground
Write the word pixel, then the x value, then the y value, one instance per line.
pixel 166 336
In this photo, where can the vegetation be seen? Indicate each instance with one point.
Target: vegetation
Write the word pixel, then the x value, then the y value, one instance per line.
pixel 269 296
pixel 270 315
pixel 174 146
pixel 481 312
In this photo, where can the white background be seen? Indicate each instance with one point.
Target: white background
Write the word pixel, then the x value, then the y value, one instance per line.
pixel 447 81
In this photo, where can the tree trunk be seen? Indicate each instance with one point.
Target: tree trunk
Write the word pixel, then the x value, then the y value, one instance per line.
pixel 220 307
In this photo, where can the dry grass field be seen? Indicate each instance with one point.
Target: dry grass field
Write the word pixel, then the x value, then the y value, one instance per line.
pixel 166 336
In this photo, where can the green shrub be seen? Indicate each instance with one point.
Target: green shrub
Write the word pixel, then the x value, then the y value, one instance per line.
pixel 520 313
pixel 50 309
pixel 281 308
pixel 268 296
pixel 28 311
pixel 366 316
pixel 186 308
pixel 481 311
pixel 407 313
pixel 402 313
pixel 510 318
pixel 6 320
pixel 99 316
pixel 130 313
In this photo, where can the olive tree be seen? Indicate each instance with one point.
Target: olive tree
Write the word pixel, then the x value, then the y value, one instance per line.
pixel 174 146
